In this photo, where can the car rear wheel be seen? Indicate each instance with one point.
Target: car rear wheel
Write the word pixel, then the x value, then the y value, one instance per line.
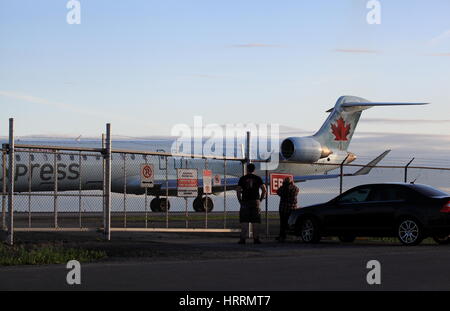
pixel 347 238
pixel 442 240
pixel 310 231
pixel 409 232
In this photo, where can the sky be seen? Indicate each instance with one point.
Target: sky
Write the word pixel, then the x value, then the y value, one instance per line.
pixel 147 65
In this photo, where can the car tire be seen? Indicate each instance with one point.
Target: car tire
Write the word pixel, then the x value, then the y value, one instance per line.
pixel 309 230
pixel 409 231
pixel 347 238
pixel 442 240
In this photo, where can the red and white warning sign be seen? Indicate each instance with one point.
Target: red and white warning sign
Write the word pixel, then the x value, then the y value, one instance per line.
pixel 207 181
pixel 187 182
pixel 147 175
pixel 217 181
pixel 276 180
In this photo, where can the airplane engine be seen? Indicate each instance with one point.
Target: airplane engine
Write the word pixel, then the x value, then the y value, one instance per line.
pixel 303 149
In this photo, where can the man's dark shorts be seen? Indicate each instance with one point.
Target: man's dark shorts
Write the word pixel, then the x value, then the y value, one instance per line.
pixel 250 212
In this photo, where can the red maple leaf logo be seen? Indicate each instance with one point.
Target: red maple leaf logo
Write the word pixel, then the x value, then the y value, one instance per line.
pixel 340 130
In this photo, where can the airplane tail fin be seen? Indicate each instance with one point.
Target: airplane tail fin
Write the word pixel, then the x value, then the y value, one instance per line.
pixel 338 129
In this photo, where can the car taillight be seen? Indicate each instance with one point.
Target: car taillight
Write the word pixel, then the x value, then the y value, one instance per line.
pixel 446 208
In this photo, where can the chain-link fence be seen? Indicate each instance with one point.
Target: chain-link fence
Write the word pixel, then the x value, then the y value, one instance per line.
pixel 58 188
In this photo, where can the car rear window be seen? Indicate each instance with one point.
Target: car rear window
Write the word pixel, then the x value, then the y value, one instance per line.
pixel 430 191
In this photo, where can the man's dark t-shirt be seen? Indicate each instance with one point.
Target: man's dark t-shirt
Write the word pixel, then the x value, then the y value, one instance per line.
pixel 250 185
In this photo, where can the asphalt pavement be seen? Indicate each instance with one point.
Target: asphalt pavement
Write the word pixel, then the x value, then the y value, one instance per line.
pixel 269 266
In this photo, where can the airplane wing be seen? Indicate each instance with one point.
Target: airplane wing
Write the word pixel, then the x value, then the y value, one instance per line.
pixel 368 167
pixel 362 171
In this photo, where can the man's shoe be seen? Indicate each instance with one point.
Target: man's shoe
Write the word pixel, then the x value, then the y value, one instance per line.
pixel 257 241
pixel 241 241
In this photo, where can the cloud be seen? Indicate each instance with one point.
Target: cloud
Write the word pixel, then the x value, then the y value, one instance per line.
pixel 206 76
pixel 44 102
pixel 357 51
pixel 59 105
pixel 432 146
pixel 396 121
pixel 440 54
pixel 35 100
pixel 254 45
pixel 442 37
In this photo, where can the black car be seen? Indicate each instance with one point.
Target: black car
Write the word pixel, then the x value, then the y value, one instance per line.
pixel 411 212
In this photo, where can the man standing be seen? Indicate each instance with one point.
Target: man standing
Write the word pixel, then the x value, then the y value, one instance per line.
pixel 249 197
pixel 288 202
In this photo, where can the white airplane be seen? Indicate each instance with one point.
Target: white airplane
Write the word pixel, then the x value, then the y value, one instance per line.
pixel 306 158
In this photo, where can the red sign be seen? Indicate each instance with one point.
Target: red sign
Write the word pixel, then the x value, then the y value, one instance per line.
pixel 207 181
pixel 147 171
pixel 276 180
pixel 147 175
pixel 187 182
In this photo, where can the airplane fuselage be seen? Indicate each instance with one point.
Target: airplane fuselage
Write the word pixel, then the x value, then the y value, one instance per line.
pixel 35 171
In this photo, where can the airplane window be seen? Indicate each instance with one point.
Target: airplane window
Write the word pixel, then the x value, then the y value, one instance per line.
pixel 358 195
pixel 84 157
pixel 72 158
pixel 31 157
pixel 17 157
pixel 58 157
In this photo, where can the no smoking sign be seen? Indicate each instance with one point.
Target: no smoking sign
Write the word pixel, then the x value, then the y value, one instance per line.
pixel 147 175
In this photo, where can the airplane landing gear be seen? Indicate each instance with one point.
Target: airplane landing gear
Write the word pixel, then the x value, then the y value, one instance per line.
pixel 159 205
pixel 200 203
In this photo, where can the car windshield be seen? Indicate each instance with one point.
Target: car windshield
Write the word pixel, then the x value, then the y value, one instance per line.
pixel 430 191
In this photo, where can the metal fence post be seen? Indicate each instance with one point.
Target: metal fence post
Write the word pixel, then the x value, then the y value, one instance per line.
pixel 11 175
pixel 341 175
pixel 55 190
pixel 103 184
pixel 406 170
pixel 247 147
pixel 124 190
pixel 267 202
pixel 146 200
pixel 30 177
pixel 205 205
pixel 224 193
pixel 167 192
pixel 4 188
pixel 108 182
pixel 80 186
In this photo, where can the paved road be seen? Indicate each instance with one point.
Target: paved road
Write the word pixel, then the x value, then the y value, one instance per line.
pixel 328 266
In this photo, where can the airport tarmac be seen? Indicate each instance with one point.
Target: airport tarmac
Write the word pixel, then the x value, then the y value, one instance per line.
pixel 197 262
